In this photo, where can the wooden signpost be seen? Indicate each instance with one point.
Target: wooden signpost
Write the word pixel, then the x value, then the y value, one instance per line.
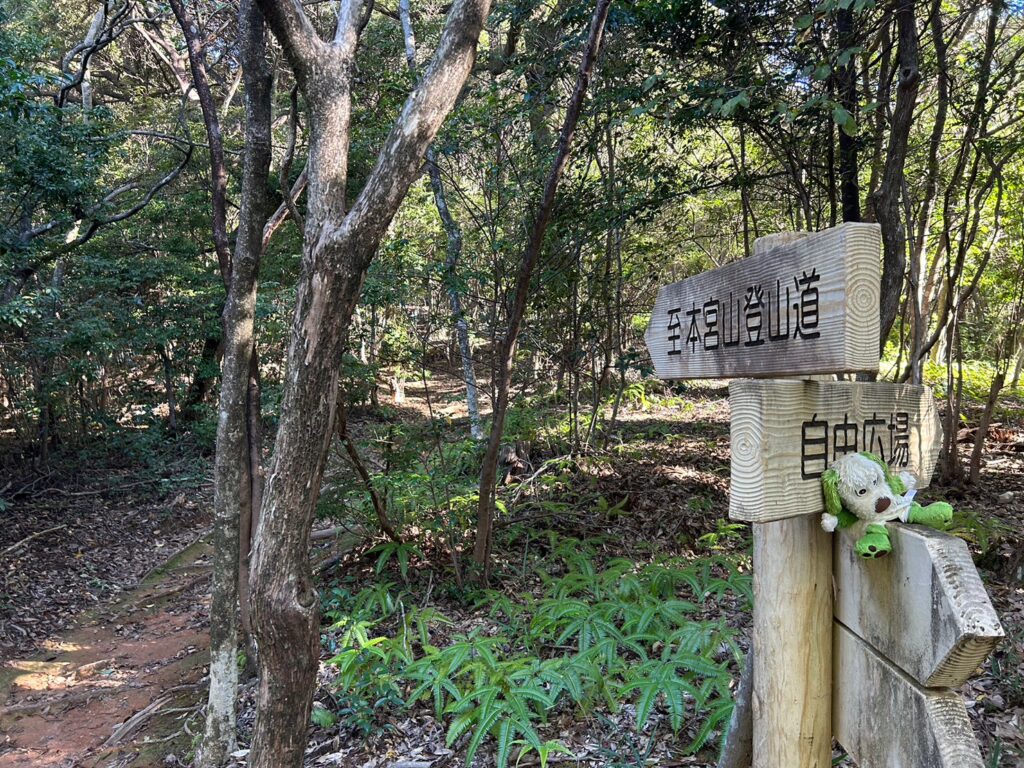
pixel 908 630
pixel 799 305
pixel 876 672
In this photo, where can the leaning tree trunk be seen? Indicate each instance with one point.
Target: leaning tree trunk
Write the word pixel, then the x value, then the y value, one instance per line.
pixel 337 251
pixel 506 355
pixel 237 462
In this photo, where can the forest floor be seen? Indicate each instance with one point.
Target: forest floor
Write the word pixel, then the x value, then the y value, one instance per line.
pixel 103 620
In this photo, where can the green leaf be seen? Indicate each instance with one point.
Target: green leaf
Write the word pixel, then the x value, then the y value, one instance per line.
pixel 844 120
pixel 323 718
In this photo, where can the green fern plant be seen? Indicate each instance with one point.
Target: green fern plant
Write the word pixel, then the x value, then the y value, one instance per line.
pixel 400 551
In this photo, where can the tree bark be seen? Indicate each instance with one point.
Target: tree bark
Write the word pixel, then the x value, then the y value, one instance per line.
pixel 849 187
pixel 983 423
pixel 454 251
pixel 218 171
pixel 337 251
pixel 172 405
pixel 887 203
pixel 506 355
pixel 237 465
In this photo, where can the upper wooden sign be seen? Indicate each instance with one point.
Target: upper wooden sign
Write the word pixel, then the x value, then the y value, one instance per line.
pixel 799 305
pixel 785 434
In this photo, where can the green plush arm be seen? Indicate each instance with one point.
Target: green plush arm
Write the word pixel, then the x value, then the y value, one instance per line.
pixel 938 514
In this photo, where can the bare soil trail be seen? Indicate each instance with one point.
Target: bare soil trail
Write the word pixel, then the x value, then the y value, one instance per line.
pixel 117 689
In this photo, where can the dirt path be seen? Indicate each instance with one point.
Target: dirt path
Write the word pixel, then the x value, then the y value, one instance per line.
pixel 117 689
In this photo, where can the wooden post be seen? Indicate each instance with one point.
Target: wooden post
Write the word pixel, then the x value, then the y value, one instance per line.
pixel 792 644
pixel 792 635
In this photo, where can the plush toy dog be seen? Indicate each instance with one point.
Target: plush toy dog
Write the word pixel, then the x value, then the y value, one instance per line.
pixel 860 490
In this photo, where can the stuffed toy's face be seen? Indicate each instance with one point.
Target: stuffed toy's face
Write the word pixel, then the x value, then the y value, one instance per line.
pixel 863 488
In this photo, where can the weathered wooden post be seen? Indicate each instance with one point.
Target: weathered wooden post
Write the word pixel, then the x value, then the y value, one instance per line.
pixel 804 305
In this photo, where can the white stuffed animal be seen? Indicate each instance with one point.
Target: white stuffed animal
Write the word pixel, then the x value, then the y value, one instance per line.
pixel 860 490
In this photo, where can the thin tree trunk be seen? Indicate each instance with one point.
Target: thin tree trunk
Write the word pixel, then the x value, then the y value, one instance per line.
pixel 237 463
pixel 506 355
pixel 172 405
pixel 454 251
pixel 379 504
pixel 203 379
pixel 1018 369
pixel 218 171
pixel 983 422
pixel 337 250
pixel 887 204
pixel 849 99
pixel 919 281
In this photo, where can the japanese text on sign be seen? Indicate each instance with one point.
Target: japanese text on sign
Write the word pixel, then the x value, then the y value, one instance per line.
pixel 821 443
pixel 761 314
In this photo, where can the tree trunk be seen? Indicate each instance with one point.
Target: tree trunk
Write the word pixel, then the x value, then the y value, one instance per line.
pixel 454 251
pixel 506 355
pixel 847 83
pixel 337 250
pixel 983 422
pixel 203 379
pixel 237 463
pixel 1019 367
pixel 887 203
pixel 172 405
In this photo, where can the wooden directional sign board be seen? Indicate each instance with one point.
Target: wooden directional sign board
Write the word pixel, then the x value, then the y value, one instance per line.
pixel 802 306
pixel 923 606
pixel 785 434
pixel 906 629
pixel 884 719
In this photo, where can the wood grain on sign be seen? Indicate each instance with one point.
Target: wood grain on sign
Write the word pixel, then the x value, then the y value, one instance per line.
pixel 785 434
pixel 801 304
pixel 923 606
pixel 886 720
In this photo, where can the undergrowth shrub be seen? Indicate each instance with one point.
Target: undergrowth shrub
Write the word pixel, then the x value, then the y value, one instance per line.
pixel 592 639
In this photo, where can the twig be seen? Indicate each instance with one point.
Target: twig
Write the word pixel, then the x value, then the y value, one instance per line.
pixel 341 426
pixel 62 492
pixel 134 722
pixel 531 478
pixel 29 538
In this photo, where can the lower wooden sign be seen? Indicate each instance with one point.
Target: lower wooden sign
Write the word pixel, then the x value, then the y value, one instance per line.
pixel 786 433
pixel 923 606
pixel 884 719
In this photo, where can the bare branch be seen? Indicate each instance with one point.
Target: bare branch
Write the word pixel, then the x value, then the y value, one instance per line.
pixel 295 32
pixel 401 157
pixel 280 216
pixel 218 171
pixel 110 33
pixel 346 34
pixel 289 156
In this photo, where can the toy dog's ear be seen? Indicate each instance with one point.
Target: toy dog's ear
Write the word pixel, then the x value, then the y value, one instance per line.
pixel 895 483
pixel 830 486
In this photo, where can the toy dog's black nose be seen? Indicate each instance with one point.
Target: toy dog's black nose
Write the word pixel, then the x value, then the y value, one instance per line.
pixel 881 505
